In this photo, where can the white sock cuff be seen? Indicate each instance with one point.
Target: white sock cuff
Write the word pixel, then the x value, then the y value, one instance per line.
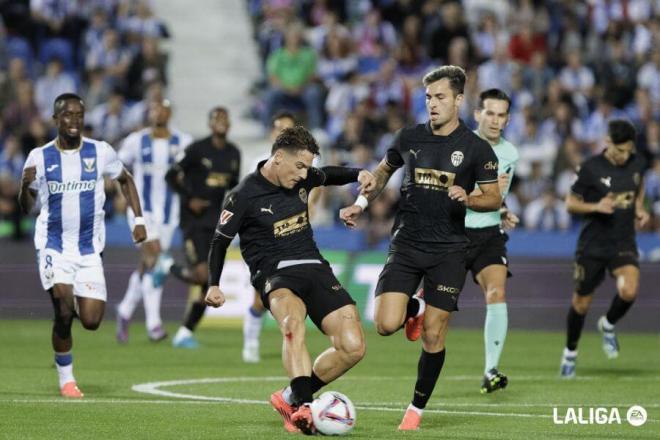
pixel 419 411
pixel 570 353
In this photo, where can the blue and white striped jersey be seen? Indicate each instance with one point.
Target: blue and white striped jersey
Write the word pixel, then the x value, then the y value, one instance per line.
pixel 70 187
pixel 150 158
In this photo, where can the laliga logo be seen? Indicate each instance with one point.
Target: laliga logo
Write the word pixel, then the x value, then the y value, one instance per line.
pixel 636 416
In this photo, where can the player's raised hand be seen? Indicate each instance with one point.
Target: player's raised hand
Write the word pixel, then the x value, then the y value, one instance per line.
pixel 606 204
pixel 350 214
pixel 509 220
pixel 642 217
pixel 367 182
pixel 139 233
pixel 214 297
pixel 458 194
pixel 29 174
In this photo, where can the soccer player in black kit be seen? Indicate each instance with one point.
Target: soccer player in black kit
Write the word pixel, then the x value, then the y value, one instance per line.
pixel 442 159
pixel 609 193
pixel 269 211
pixel 209 168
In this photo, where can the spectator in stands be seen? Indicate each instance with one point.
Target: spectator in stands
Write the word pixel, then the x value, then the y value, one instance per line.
pixel 525 44
pixel 20 112
pixel 147 67
pixel 453 26
pixel 110 57
pixel 577 79
pixel 496 73
pixel 652 184
pixel 11 167
pixel 16 72
pixel 52 84
pixel 110 119
pixel 291 71
pixel 546 213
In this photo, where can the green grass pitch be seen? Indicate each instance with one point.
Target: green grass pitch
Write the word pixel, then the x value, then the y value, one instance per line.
pixel 232 402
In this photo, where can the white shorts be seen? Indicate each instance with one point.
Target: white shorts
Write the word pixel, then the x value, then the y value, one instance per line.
pixel 155 230
pixel 84 273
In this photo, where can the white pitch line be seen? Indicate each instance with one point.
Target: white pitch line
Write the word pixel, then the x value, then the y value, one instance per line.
pixel 154 389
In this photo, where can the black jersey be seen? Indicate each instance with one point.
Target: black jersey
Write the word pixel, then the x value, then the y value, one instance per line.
pixel 605 234
pixel 428 219
pixel 208 172
pixel 273 222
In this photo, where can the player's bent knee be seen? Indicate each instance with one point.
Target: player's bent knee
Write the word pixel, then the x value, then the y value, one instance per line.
pixel 495 294
pixel 292 328
pixel 387 327
pixel 90 324
pixel 628 293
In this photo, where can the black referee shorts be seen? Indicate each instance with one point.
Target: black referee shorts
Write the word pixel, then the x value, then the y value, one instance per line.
pixel 487 247
pixel 315 284
pixel 443 274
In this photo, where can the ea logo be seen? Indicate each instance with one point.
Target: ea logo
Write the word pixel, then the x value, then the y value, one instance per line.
pixel 636 415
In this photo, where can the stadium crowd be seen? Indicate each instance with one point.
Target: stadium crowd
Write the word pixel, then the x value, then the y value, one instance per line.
pixel 107 51
pixel 350 70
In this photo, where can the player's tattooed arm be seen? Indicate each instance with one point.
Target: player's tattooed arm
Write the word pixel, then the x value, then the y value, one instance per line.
pixel 27 195
pixel 382 175
pixel 128 189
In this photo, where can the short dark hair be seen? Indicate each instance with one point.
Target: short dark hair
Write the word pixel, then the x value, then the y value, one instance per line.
pixel 455 75
pixel 282 114
pixel 63 98
pixel 294 139
pixel 218 108
pixel 494 94
pixel 621 130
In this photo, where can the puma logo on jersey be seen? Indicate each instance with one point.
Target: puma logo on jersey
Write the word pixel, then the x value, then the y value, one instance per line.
pixel 268 210
pixel 607 181
pixel 415 153
pixel 51 168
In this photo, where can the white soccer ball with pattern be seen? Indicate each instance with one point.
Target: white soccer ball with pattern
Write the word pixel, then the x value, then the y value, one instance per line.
pixel 333 413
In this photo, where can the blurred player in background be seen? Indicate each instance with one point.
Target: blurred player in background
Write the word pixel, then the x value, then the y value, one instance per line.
pixel 67 174
pixel 151 152
pixel 609 193
pixel 208 168
pixel 441 159
pixel 269 211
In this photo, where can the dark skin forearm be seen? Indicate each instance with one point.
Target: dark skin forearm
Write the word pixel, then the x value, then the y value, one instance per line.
pixel 26 198
pixel 129 191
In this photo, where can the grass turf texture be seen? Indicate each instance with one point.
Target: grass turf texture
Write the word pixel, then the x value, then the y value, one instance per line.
pixel 380 386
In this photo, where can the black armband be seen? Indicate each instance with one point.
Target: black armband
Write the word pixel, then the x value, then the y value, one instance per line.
pixel 216 259
pixel 340 175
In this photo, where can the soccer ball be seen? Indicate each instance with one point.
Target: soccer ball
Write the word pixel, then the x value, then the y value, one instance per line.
pixel 333 413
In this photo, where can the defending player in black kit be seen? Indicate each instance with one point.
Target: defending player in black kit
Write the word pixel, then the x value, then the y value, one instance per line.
pixel 268 210
pixel 209 168
pixel 442 159
pixel 609 192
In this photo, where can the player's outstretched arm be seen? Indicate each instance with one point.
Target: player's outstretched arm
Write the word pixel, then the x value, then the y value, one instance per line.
pixel 370 190
pixel 128 189
pixel 26 195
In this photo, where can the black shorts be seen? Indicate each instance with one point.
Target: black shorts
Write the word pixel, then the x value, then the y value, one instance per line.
pixel 487 247
pixel 443 274
pixel 315 284
pixel 197 243
pixel 589 270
